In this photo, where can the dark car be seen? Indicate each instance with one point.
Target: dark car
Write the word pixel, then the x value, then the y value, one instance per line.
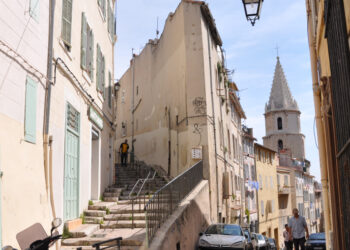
pixel 267 243
pixel 316 241
pixel 249 240
pixel 272 243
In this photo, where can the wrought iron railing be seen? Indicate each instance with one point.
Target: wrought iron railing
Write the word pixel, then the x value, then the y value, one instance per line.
pixel 164 201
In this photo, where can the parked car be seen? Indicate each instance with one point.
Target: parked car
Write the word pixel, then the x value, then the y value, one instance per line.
pixel 267 243
pixel 222 236
pixel 316 241
pixel 259 242
pixel 250 245
pixel 272 243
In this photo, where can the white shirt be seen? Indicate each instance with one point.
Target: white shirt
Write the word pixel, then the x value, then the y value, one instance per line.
pixel 286 236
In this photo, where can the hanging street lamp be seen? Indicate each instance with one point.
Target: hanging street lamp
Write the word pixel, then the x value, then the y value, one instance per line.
pixel 252 9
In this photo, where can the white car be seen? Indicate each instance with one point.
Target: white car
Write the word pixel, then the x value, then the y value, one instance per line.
pixel 222 236
pixel 260 242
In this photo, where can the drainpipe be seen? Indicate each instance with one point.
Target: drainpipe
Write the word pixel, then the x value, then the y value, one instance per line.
pixel 169 143
pixel 133 106
pixel 213 112
pixel 47 139
pixel 319 126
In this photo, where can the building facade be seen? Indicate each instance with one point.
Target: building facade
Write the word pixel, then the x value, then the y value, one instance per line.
pixel 266 171
pixel 175 112
pixel 23 59
pixel 81 115
pixel 328 32
pixel 251 189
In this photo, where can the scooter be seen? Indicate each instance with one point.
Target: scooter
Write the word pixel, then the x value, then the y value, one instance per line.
pixel 42 242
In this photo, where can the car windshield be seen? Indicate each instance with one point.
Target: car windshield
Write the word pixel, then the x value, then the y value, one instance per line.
pixel 224 229
pixel 260 237
pixel 319 236
pixel 271 241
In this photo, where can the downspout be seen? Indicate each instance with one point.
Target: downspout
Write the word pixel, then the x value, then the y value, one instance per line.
pixel 319 126
pixel 47 139
pixel 169 143
pixel 132 107
pixel 214 128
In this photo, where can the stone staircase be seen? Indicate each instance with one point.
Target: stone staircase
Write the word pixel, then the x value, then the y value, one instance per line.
pixel 119 214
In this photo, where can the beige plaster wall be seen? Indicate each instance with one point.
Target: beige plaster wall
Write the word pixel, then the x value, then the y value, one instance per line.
pixel 184 225
pixel 24 198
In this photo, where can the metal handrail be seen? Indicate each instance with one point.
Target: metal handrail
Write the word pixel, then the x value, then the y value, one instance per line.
pixel 138 181
pixel 98 245
pixel 151 179
pixel 165 200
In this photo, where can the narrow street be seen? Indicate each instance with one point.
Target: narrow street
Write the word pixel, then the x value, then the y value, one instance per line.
pixel 174 125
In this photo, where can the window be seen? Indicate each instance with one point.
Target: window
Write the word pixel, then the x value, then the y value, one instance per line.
pixel 266 183
pixel 87 47
pixel 246 171
pixel 66 30
pixel 280 144
pixel 278 180
pixel 263 156
pixel 260 155
pixel 102 5
pixel 233 146
pixel 271 182
pixel 111 21
pixel 229 143
pixel 30 111
pixel 260 182
pixel 109 89
pixel 279 123
pixel 34 9
pixel 123 129
pixel 262 209
pixel 286 180
pixel 272 206
pixel 100 71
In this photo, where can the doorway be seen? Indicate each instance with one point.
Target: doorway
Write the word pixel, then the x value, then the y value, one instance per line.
pixel 71 164
pixel 275 232
pixel 95 164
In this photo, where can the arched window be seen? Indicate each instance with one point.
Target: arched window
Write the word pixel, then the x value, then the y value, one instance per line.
pixel 280 144
pixel 279 123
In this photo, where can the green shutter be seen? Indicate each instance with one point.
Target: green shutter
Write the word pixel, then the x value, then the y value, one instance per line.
pixel 83 41
pixel 91 51
pixel 30 111
pixel 103 84
pixel 34 9
pixel 109 90
pixel 66 31
pixel 98 68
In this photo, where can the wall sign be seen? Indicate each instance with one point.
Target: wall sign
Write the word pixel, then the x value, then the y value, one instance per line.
pixel 197 153
pixel 95 118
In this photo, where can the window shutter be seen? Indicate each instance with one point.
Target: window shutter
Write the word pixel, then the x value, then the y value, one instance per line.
pixel 98 68
pixel 109 90
pixel 66 20
pixel 109 17
pixel 103 83
pixel 34 9
pixel 84 37
pixel 30 111
pixel 91 63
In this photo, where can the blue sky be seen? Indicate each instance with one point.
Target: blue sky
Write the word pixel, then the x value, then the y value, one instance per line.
pixel 250 51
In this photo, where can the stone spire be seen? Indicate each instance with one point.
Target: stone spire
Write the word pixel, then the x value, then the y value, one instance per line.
pixel 280 97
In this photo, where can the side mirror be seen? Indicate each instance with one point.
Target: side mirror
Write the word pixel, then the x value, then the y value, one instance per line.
pixel 55 224
pixel 200 234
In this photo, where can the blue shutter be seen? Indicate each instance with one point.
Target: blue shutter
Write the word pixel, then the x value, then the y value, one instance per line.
pixel 34 9
pixel 30 111
pixel 91 63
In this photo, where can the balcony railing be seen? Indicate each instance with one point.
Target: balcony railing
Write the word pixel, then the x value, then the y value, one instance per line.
pixel 284 190
pixel 164 202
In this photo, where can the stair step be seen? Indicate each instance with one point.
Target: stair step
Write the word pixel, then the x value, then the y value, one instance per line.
pixel 119 217
pixel 93 219
pixel 111 199
pixel 102 205
pixel 95 213
pixel 123 224
pixel 84 230
pixel 111 194
pixel 113 189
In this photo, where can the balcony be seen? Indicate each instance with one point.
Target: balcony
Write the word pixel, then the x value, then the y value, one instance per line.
pixel 284 190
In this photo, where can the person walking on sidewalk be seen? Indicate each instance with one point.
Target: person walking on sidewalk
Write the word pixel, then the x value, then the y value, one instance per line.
pixel 123 150
pixel 287 241
pixel 296 228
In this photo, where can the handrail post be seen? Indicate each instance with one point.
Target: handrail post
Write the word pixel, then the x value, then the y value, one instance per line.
pixel 132 213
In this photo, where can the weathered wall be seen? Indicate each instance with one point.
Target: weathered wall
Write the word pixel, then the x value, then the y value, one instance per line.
pixel 184 225
pixel 66 91
pixel 24 200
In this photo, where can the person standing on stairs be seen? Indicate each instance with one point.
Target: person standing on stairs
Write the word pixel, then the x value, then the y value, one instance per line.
pixel 123 150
